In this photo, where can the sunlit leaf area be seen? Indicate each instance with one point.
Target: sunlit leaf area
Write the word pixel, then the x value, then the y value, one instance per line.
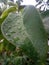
pixel 24 32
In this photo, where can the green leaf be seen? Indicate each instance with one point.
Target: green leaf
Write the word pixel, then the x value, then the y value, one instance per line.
pixel 1 47
pixel 5 43
pixel 13 29
pixel 7 11
pixel 19 60
pixel 45 18
pixel 29 50
pixel 9 46
pixel 36 31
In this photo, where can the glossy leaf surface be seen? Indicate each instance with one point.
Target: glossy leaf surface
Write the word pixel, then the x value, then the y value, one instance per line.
pixel 35 30
pixel 13 29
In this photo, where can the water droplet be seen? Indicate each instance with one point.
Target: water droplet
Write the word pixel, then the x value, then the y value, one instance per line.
pixel 19 28
pixel 6 33
pixel 9 27
pixel 16 39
